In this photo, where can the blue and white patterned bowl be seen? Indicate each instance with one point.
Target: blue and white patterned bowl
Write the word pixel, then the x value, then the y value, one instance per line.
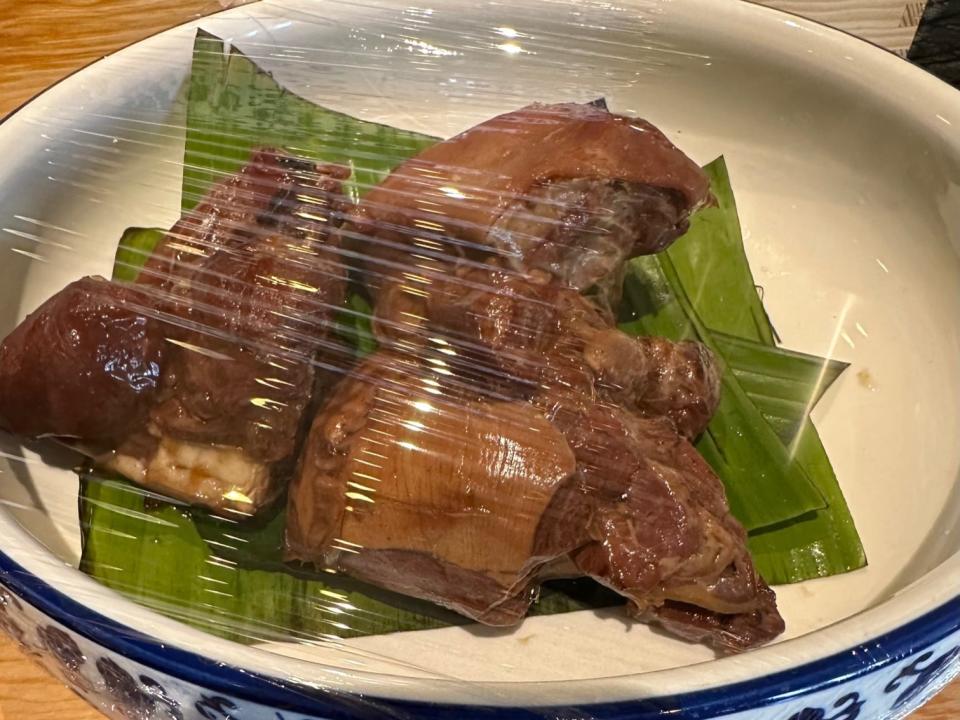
pixel 846 164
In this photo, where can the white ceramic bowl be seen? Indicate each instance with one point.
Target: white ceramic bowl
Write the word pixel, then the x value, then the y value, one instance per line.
pixel 845 162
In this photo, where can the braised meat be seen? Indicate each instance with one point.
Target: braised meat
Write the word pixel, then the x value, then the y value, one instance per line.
pixel 252 315
pixel 251 280
pixel 217 339
pixel 456 191
pixel 654 377
pixel 582 231
pixel 495 260
pixel 660 531
pixel 569 189
pixel 732 632
pixel 642 514
pixel 85 364
pixel 536 330
pixel 409 485
pixel 505 432
pixel 272 192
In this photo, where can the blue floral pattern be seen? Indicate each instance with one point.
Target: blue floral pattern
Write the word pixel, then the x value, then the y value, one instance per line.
pixel 920 675
pixel 137 700
pixel 848 708
pixel 126 690
pixel 65 651
pixel 215 707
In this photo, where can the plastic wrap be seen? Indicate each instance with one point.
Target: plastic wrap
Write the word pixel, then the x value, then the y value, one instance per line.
pixel 377 390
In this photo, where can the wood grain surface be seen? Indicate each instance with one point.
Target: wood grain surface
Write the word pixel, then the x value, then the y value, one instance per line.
pixel 44 40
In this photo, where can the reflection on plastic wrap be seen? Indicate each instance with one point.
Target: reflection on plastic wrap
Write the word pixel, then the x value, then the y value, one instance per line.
pixel 371 377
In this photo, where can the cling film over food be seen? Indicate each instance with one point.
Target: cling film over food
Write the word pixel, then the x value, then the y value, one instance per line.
pixel 375 381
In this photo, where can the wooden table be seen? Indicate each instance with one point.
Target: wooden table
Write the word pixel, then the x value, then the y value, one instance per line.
pixel 44 40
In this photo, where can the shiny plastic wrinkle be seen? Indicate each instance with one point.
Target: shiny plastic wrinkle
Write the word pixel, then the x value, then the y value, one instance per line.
pixel 376 382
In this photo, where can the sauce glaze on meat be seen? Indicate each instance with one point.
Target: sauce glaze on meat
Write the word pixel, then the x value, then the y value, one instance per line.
pixel 194 381
pixel 495 258
pixel 504 433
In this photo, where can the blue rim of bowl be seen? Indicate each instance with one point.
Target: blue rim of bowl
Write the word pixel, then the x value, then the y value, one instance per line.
pixel 240 684
pixel 276 693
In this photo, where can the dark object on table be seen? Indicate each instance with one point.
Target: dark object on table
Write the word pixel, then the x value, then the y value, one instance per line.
pixel 936 46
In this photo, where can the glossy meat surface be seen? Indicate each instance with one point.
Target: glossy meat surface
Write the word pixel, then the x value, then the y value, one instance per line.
pixel 582 231
pixel 252 306
pixel 661 533
pixel 260 197
pixel 568 188
pixel 86 364
pixel 729 632
pixel 643 513
pixel 536 330
pixel 646 515
pixel 659 530
pixel 482 249
pixel 195 380
pixel 426 494
pixel 655 377
pixel 252 317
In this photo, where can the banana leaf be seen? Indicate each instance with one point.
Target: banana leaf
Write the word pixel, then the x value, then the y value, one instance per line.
pixel 826 541
pixel 136 246
pixel 354 325
pixel 233 107
pixel 783 384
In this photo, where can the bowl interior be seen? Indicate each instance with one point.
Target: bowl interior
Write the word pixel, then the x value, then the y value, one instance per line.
pixel 847 190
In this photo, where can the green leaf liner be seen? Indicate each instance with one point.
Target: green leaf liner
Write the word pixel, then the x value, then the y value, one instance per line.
pixel 227 576
pixel 354 325
pixel 712 266
pixel 825 542
pixel 782 384
pixel 136 246
pixel 233 107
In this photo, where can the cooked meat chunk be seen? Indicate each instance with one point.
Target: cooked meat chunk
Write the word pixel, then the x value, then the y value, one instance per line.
pixel 482 249
pixel 661 533
pixel 195 380
pixel 272 193
pixel 729 632
pixel 249 318
pixel 568 189
pixel 536 330
pixel 85 364
pixel 642 513
pixel 254 316
pixel 582 231
pixel 452 194
pixel 410 487
pixel 655 377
